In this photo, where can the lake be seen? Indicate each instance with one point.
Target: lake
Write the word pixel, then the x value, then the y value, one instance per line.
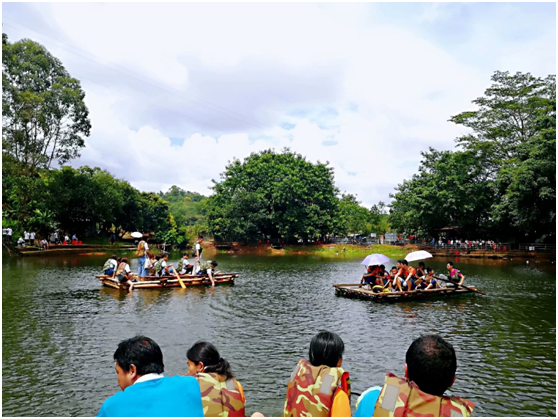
pixel 61 328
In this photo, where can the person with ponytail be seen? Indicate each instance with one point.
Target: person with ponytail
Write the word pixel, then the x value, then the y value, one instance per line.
pixel 221 394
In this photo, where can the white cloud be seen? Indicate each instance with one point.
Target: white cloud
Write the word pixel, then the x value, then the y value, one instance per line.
pixel 363 92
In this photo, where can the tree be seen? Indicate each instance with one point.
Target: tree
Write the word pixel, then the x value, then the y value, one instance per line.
pixel 273 195
pixel 44 117
pixel 451 189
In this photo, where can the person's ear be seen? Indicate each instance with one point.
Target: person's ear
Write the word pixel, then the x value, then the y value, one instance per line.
pixel 133 372
pixel 339 362
pixel 202 367
pixel 406 373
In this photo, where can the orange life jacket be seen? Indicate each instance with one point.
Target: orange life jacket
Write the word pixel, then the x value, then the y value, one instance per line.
pixel 311 390
pixel 400 398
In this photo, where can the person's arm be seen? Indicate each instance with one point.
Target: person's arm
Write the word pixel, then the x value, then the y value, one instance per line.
pixel 210 274
pixel 462 278
pixel 341 407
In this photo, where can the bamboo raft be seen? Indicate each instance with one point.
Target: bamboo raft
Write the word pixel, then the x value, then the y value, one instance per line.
pixel 170 281
pixel 356 291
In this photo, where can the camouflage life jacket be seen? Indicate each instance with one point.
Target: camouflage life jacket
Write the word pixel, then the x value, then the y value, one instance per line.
pixel 109 264
pixel 140 251
pixel 204 266
pixel 120 268
pixel 220 397
pixel 181 265
pixel 157 267
pixel 401 398
pixel 311 390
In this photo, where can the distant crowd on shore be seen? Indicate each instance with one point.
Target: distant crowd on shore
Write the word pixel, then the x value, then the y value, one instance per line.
pixel 318 387
pixel 30 238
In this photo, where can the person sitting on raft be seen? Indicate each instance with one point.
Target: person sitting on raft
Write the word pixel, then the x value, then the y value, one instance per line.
pixel 164 269
pixel 370 276
pixel 124 275
pixel 383 278
pixel 429 281
pixel 320 387
pixel 430 366
pixel 454 274
pixel 183 266
pixel 208 268
pixel 405 277
pixel 421 270
pixel 149 263
pixel 223 396
pixel 145 391
pixel 154 271
pixel 110 265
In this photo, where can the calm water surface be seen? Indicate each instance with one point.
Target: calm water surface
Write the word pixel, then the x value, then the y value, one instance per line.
pixel 60 329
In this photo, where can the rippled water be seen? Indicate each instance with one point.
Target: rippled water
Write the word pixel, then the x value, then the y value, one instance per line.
pixel 60 329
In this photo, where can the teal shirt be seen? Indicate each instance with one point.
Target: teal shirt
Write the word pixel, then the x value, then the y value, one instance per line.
pixel 366 403
pixel 166 396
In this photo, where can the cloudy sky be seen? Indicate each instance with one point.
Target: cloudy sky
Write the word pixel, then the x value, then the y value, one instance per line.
pixel 177 90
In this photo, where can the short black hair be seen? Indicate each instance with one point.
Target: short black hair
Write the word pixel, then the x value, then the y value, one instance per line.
pixel 421 264
pixel 185 254
pixel 142 352
pixel 113 257
pixel 213 263
pixel 393 267
pixel 431 364
pixel 450 263
pixel 326 348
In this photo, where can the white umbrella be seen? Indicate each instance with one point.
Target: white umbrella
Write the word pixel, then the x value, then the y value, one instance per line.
pixel 136 235
pixel 418 255
pixel 374 259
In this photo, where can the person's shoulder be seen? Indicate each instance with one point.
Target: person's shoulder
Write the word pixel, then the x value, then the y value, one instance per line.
pixel 108 404
pixel 366 403
pixel 186 382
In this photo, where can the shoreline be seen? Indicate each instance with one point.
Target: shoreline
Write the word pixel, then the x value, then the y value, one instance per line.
pixel 321 250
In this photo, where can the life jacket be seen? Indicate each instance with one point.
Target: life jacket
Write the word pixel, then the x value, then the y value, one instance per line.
pixel 181 265
pixel 413 272
pixel 109 264
pixel 311 390
pixel 401 398
pixel 204 266
pixel 157 266
pixel 140 251
pixel 403 273
pixel 220 397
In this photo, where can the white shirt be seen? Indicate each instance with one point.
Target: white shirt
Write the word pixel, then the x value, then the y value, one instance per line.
pixel 149 377
pixel 26 235
pixel 198 247
pixel 148 264
pixel 9 231
pixel 32 235
pixel 112 264
pixel 163 266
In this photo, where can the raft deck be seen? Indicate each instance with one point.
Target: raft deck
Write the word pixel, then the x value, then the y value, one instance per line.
pixel 170 281
pixel 357 291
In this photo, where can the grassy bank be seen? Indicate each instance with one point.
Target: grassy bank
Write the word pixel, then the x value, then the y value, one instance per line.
pixel 349 250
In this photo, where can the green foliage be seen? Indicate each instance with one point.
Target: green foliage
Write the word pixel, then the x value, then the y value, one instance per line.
pixel 356 219
pixel 44 117
pixel 503 181
pixel 273 195
pixel 187 208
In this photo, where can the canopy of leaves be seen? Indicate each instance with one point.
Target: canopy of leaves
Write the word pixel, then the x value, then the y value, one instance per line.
pixel 273 195
pixel 503 181
pixel 44 117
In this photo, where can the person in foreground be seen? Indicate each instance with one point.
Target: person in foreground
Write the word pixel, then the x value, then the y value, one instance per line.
pixel 320 387
pixel 222 395
pixel 145 391
pixel 430 365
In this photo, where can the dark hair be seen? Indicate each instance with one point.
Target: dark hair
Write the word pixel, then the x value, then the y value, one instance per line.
pixel 421 264
pixel 185 254
pixel 142 352
pixel 428 269
pixel 157 257
pixel 113 257
pixel 200 237
pixel 431 364
pixel 208 354
pixel 124 260
pixel 404 262
pixel 326 348
pixel 383 267
pixel 164 255
pixel 393 267
pixel 213 263
pixel 119 260
pixel 450 263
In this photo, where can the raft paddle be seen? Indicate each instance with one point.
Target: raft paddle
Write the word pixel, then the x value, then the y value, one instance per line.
pixel 179 279
pixel 459 286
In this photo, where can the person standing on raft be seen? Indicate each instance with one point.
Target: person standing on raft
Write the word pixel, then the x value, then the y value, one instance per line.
pixel 141 253
pixel 320 387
